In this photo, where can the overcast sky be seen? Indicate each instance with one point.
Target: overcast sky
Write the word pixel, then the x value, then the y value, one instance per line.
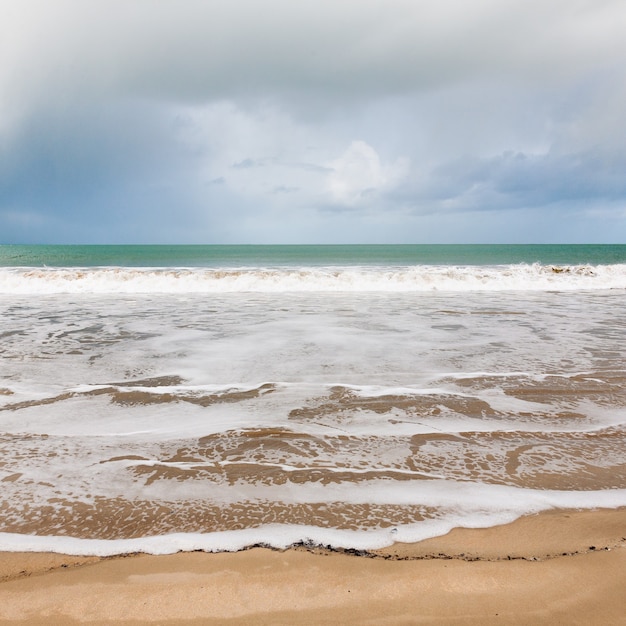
pixel 293 121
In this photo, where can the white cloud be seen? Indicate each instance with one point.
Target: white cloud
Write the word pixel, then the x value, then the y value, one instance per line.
pixel 358 175
pixel 263 153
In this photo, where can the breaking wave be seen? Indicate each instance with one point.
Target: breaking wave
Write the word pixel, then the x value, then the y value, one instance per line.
pixel 103 280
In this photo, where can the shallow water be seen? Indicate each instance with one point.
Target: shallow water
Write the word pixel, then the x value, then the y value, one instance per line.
pixel 353 418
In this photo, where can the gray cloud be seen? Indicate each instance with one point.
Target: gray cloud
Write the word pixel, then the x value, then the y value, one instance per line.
pixel 210 121
pixel 194 50
pixel 518 180
pixel 285 189
pixel 245 164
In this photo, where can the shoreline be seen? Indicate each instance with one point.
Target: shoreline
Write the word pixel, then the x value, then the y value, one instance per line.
pixel 568 565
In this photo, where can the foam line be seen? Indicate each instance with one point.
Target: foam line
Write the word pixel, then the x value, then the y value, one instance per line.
pixel 535 277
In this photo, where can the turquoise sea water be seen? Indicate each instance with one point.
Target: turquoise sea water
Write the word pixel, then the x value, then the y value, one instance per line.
pixel 304 255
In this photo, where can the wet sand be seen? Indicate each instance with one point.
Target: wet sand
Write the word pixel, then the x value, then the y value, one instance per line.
pixel 559 567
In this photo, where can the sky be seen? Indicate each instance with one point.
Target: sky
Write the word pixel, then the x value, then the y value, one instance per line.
pixel 293 121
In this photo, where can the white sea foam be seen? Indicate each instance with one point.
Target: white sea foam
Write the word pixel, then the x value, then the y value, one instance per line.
pixel 465 515
pixel 101 391
pixel 106 280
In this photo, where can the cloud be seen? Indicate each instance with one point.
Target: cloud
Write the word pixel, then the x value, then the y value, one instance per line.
pixel 283 189
pixel 213 121
pixel 246 164
pixel 196 51
pixel 518 180
pixel 358 175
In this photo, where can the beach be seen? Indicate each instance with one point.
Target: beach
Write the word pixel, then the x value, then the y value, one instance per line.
pixel 557 567
pixel 312 434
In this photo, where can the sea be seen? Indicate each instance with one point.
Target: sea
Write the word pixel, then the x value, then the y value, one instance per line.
pixel 166 398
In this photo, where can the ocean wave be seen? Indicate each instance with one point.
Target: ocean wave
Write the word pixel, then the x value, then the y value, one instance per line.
pixel 421 278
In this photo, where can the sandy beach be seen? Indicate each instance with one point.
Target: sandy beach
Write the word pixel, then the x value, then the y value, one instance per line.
pixel 553 568
pixel 210 421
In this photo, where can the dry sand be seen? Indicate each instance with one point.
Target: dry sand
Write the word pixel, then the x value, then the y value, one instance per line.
pixel 552 568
